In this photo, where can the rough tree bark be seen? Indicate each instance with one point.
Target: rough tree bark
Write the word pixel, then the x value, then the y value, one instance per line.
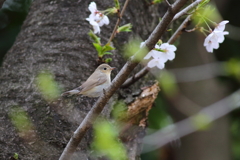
pixel 54 37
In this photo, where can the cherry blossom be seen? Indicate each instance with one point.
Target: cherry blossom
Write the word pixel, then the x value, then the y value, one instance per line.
pixel 215 37
pixel 96 16
pixel 211 42
pixel 160 57
pixel 169 51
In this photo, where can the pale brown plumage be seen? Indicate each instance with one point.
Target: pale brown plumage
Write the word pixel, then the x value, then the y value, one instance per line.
pixel 94 85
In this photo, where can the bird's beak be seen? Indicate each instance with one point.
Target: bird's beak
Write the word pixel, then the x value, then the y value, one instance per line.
pixel 112 68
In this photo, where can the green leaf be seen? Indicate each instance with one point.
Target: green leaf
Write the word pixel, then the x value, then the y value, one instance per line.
pixel 107 48
pixel 168 83
pixel 117 5
pixel 107 53
pixel 110 11
pixel 119 110
pixel 47 86
pixel 203 3
pixel 98 47
pixel 94 37
pixel 132 47
pixel 107 60
pixel 160 50
pixel 106 141
pixel 203 14
pixel 20 120
pixel 232 67
pixel 125 28
pixel 104 53
pixel 156 1
pixel 201 121
pixel 15 156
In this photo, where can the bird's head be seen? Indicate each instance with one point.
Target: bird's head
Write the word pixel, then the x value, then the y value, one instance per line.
pixel 105 68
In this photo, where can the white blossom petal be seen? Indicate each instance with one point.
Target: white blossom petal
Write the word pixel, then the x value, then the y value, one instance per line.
pixel 106 20
pixel 221 36
pixel 157 46
pixel 221 26
pixel 96 28
pixel 152 63
pixel 103 20
pixel 156 63
pixel 150 54
pixel 169 51
pixel 169 47
pixel 92 7
pixel 170 55
pixel 211 42
pixel 161 65
pixel 92 17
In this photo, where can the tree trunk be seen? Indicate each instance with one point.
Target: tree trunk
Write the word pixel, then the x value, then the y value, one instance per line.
pixel 54 38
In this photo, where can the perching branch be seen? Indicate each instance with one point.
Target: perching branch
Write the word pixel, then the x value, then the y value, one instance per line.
pixel 182 128
pixel 145 70
pixel 118 81
pixel 118 21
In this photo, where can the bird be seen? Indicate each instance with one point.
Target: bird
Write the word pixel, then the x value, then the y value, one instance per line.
pixel 99 80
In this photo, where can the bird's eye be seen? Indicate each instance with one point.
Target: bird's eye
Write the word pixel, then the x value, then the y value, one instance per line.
pixel 105 68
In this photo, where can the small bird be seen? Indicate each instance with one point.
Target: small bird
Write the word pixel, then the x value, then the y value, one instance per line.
pixel 95 84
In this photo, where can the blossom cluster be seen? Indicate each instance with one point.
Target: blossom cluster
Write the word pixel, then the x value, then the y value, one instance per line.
pixel 215 37
pixel 97 19
pixel 160 55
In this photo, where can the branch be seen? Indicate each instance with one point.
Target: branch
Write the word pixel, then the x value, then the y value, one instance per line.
pixel 118 81
pixel 135 78
pixel 186 126
pixel 185 10
pixel 169 5
pixel 173 38
pixel 118 21
pixel 145 70
pixel 180 29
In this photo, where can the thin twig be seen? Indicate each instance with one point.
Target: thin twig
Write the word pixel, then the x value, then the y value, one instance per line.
pixel 185 10
pixel 145 70
pixel 118 21
pixel 169 5
pixel 118 81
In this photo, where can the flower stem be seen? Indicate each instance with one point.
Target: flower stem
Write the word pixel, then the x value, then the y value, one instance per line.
pixel 117 23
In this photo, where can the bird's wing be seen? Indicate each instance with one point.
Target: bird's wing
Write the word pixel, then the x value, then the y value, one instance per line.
pixel 92 82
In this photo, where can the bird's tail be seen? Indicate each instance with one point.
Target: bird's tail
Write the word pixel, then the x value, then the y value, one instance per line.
pixel 71 92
